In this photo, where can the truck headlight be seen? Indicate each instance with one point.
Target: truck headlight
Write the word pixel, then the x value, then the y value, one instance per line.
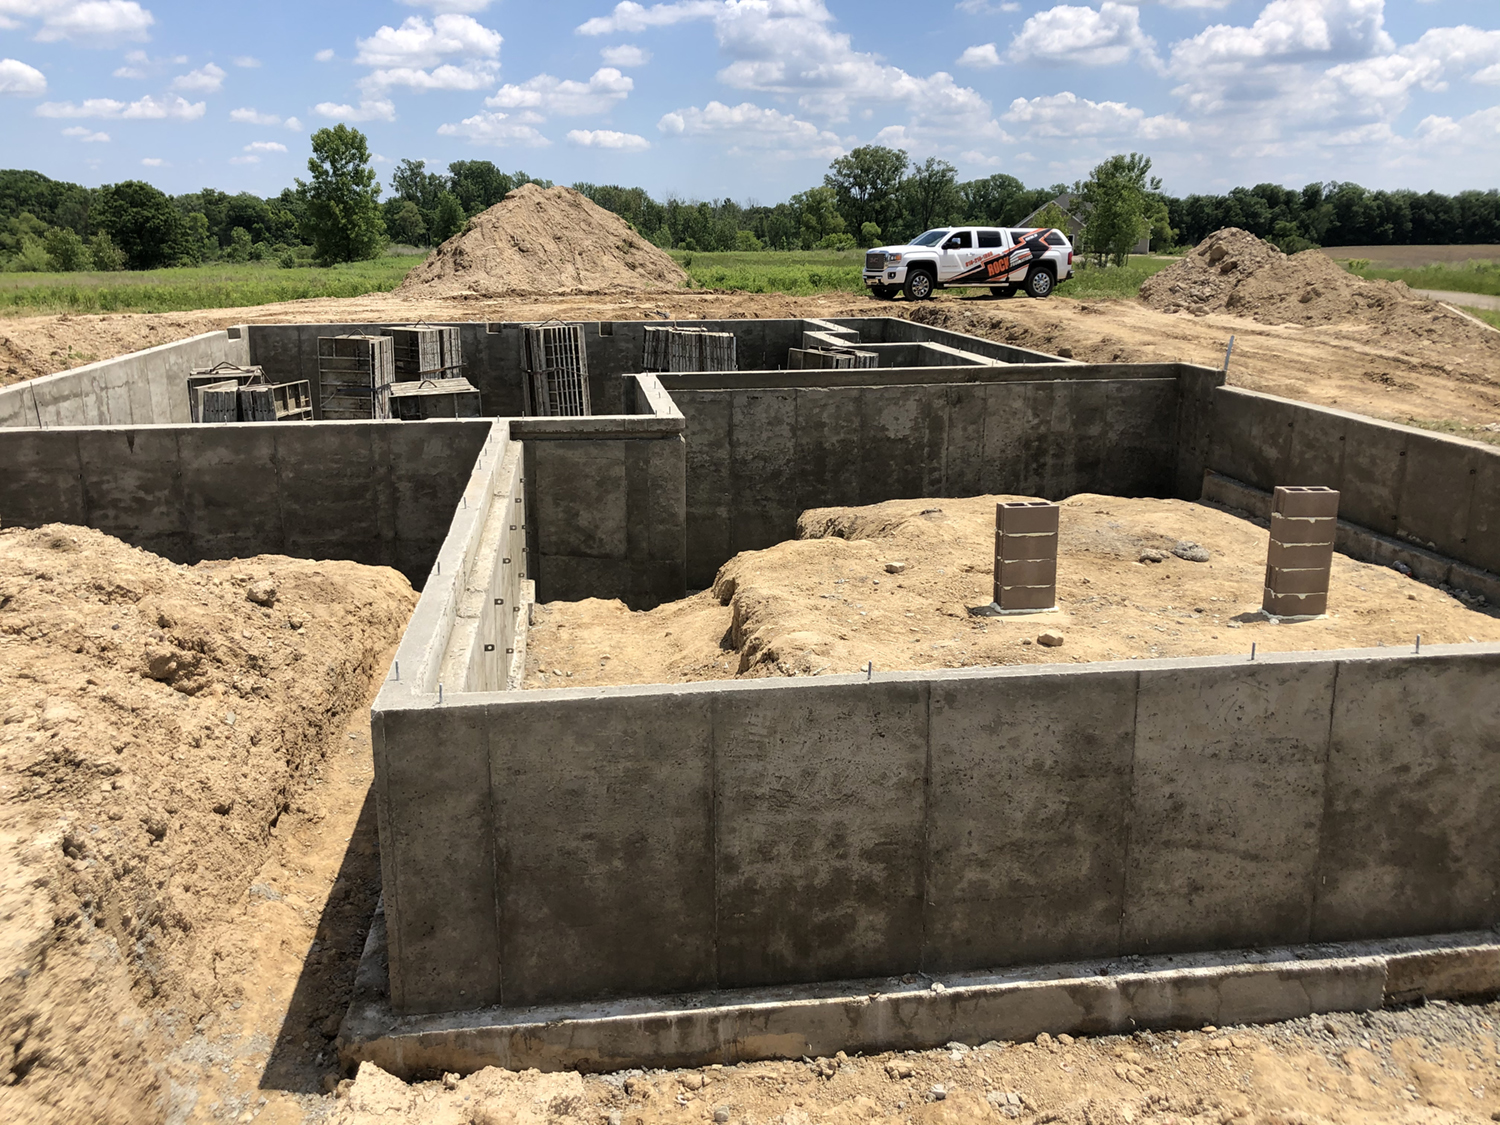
pixel 892 259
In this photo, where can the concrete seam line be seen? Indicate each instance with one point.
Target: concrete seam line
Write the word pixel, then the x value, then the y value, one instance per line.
pixel 1319 879
pixel 1135 717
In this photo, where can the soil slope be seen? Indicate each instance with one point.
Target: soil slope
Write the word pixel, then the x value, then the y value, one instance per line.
pixel 542 240
pixel 827 603
pixel 157 725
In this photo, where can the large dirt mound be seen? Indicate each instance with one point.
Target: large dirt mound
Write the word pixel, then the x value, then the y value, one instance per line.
pixel 1234 272
pixel 156 722
pixel 543 240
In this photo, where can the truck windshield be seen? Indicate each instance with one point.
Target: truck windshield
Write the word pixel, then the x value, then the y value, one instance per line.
pixel 931 238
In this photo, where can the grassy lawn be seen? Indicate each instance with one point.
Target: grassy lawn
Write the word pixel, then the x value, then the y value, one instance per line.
pixel 804 272
pixel 219 286
pixel 1461 277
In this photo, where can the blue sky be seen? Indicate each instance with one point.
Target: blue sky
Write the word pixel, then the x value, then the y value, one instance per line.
pixel 752 98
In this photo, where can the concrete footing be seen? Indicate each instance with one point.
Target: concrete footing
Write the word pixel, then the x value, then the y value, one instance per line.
pixel 916 1012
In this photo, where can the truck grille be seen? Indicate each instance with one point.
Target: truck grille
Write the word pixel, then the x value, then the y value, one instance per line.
pixel 875 260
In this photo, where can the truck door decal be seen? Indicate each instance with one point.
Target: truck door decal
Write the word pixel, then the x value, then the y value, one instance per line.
pixel 997 267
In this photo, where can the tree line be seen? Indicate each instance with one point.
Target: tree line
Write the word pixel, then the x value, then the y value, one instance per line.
pixel 872 195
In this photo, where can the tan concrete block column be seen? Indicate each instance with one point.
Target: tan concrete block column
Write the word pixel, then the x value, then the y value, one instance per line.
pixel 1300 560
pixel 1026 556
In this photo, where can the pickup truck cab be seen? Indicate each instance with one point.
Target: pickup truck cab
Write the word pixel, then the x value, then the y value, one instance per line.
pixel 967 257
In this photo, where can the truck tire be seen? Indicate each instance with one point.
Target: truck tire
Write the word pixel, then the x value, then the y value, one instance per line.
pixel 1040 283
pixel 884 292
pixel 919 285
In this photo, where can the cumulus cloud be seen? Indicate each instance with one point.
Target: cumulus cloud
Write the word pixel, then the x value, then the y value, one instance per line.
pixel 265 146
pixel 450 5
pixel 983 56
pixel 748 127
pixel 420 55
pixel 547 95
pixel 153 161
pixel 205 80
pixel 90 23
pixel 244 159
pixel 247 62
pixel 87 136
pixel 370 109
pixel 247 116
pixel 632 17
pixel 627 54
pixel 1069 35
pixel 325 55
pixel 986 8
pixel 496 129
pixel 1067 115
pixel 608 138
pixel 146 109
pixel 21 80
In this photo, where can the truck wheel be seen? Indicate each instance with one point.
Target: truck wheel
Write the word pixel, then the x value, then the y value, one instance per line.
pixel 918 285
pixel 1039 283
pixel 883 292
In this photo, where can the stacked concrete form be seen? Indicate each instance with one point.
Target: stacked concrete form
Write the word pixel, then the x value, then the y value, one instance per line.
pixel 1304 524
pixel 830 359
pixel 1026 556
pixel 425 351
pixel 434 398
pixel 558 360
pixel 215 381
pixel 355 374
pixel 688 349
pixel 276 402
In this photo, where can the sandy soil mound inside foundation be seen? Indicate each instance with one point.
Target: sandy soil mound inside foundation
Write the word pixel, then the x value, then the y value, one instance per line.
pixel 156 724
pixel 1231 271
pixel 828 602
pixel 542 240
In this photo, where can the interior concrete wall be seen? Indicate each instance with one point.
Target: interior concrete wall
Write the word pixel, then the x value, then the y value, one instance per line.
pixel 1436 491
pixel 373 492
pixel 765 447
pixel 898 330
pixel 142 389
pixel 773 832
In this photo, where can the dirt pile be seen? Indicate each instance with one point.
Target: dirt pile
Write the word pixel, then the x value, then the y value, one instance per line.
pixel 156 723
pixel 542 240
pixel 893 583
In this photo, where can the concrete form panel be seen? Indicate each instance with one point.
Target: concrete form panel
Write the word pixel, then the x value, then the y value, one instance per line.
pixel 1028 816
pixel 440 832
pixel 604 846
pixel 819 814
pixel 1409 839
pixel 1227 801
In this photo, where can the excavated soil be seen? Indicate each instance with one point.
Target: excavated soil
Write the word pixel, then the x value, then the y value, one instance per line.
pixel 1436 1065
pixel 162 728
pixel 828 602
pixel 543 240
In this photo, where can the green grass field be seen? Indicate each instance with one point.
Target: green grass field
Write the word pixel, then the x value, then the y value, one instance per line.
pixel 218 286
pixel 1464 277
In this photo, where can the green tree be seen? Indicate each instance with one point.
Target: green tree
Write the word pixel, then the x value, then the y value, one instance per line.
pixel 142 222
pixel 342 220
pixel 405 224
pixel 1052 217
pixel 31 256
pixel 104 255
pixel 412 182
pixel 929 196
pixel 869 234
pixel 239 245
pixel 1116 199
pixel 66 250
pixel 817 213
pixel 746 240
pixel 450 217
pixel 866 184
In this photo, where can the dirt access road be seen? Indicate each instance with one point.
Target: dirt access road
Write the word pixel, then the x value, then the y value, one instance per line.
pixel 1348 366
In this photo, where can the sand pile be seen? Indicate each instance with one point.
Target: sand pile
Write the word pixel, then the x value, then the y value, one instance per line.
pixel 1231 271
pixel 157 722
pixel 542 240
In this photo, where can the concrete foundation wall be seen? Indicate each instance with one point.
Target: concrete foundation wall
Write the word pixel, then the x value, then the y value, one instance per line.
pixel 763 448
pixel 373 492
pixel 785 831
pixel 894 330
pixel 1438 492
pixel 143 389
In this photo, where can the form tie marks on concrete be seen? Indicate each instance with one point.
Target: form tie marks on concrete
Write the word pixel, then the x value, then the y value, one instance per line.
pixel 677 874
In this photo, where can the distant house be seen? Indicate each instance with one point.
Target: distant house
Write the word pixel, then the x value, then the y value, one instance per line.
pixel 1075 225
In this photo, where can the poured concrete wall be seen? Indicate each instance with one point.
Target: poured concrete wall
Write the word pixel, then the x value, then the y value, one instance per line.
pixel 764 448
pixel 550 846
pixel 142 389
pixel 1439 492
pixel 373 492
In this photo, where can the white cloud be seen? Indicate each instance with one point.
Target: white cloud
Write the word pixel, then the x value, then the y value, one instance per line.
pixel 265 146
pixel 632 17
pixel 92 23
pixel 986 8
pixel 546 95
pixel 416 54
pixel 244 160
pixel 627 54
pixel 325 55
pixel 22 80
pixel 87 136
pixel 146 109
pixel 248 116
pixel 376 109
pixel 449 5
pixel 983 56
pixel 1079 36
pixel 495 129
pixel 205 80
pixel 292 123
pixel 1490 75
pixel 1066 115
pixel 748 127
pixel 153 161
pixel 608 138
pixel 247 62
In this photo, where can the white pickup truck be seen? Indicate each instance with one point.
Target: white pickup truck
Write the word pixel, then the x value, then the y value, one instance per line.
pixel 971 257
